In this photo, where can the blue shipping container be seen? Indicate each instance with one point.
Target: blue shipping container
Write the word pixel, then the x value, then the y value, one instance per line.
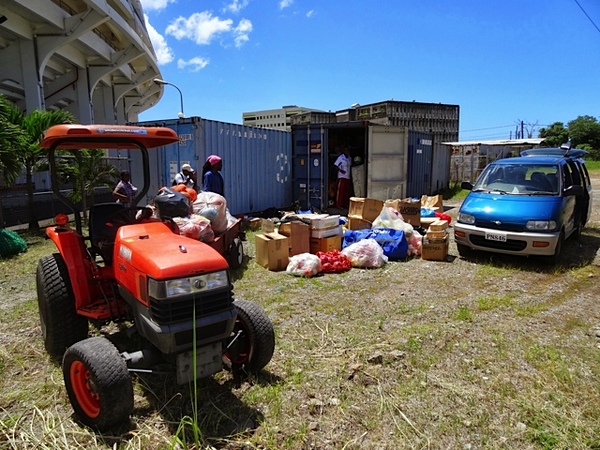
pixel 256 162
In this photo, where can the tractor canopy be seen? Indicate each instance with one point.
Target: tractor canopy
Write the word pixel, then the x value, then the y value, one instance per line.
pixel 75 136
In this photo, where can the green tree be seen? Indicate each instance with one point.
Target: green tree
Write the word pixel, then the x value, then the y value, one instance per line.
pixel 90 170
pixel 32 156
pixel 12 140
pixel 555 135
pixel 585 130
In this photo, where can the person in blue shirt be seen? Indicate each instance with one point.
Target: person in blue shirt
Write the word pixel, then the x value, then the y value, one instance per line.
pixel 212 180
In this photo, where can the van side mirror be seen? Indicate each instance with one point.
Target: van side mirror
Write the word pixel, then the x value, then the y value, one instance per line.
pixel 466 185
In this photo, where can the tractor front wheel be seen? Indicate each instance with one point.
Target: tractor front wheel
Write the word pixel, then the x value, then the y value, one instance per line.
pixel 252 342
pixel 60 323
pixel 98 383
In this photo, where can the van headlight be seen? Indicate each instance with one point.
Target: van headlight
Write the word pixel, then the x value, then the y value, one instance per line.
pixel 184 286
pixel 466 218
pixel 541 225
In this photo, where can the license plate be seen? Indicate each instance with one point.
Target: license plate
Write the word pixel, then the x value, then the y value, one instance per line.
pixel 498 237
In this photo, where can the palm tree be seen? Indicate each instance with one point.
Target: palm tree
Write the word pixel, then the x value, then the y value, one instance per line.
pixel 32 155
pixel 90 170
pixel 11 141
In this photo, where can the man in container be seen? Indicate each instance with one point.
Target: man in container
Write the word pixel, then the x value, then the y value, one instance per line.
pixel 343 164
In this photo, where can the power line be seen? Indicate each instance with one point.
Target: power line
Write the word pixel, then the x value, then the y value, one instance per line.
pixel 586 15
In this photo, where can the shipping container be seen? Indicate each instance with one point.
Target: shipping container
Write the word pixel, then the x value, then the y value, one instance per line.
pixel 388 162
pixel 257 162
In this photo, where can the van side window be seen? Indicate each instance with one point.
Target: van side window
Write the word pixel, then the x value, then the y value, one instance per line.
pixel 567 179
pixel 576 177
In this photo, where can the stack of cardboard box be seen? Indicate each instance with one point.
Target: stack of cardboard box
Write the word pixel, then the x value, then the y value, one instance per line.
pixel 325 232
pixel 435 242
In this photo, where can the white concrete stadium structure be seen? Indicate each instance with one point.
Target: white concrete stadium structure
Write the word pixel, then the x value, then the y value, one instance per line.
pixel 93 58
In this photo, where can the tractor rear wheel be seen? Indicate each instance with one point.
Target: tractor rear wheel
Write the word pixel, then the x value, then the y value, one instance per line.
pixel 60 323
pixel 252 343
pixel 98 383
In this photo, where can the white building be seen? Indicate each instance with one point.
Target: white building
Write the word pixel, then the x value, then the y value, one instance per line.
pixel 92 58
pixel 274 119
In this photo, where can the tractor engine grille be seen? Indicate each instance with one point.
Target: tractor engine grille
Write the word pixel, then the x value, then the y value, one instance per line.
pixel 179 309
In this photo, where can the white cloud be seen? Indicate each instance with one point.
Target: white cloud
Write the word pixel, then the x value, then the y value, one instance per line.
pixel 241 32
pixel 285 3
pixel 199 27
pixel 195 64
pixel 155 5
pixel 164 54
pixel 236 6
pixel 310 13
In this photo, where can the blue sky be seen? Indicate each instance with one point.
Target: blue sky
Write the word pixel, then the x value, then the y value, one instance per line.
pixel 502 62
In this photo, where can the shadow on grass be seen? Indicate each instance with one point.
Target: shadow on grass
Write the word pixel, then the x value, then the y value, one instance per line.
pixel 575 253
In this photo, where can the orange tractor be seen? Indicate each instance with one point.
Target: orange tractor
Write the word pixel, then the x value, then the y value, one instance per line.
pixel 172 291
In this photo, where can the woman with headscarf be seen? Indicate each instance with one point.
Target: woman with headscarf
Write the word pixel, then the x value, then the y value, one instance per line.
pixel 212 180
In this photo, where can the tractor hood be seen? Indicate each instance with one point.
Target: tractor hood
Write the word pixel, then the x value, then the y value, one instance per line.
pixel 153 249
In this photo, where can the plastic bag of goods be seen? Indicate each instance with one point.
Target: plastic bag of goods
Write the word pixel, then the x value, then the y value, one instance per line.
pixel 389 218
pixel 334 261
pixel 195 227
pixel 366 253
pixel 171 203
pixel 304 265
pixel 213 207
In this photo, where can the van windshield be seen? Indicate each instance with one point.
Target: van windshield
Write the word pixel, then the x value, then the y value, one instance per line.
pixel 519 179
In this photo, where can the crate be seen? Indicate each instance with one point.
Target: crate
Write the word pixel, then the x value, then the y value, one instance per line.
pixel 365 208
pixel 272 251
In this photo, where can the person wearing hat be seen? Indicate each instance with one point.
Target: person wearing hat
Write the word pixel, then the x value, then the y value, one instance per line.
pixel 212 180
pixel 187 176
pixel 125 192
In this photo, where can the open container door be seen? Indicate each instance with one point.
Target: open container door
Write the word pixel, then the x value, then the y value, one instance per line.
pixel 387 162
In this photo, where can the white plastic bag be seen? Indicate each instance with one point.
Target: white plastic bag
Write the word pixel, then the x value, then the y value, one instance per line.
pixel 390 218
pixel 214 207
pixel 366 253
pixel 304 265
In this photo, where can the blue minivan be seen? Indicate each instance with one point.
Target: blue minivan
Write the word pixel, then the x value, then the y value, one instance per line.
pixel 526 205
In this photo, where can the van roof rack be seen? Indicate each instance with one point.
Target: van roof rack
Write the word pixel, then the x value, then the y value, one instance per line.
pixel 564 152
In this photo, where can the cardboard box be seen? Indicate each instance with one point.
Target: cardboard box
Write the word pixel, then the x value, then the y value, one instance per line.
pixel 272 251
pixel 365 208
pixel 325 244
pixel 299 236
pixel 432 235
pixel 319 221
pixel 358 223
pixel 267 225
pixel 409 209
pixel 438 225
pixel 254 223
pixel 434 251
pixel 327 232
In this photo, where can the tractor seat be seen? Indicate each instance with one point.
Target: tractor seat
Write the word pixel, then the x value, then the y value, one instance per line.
pixel 102 235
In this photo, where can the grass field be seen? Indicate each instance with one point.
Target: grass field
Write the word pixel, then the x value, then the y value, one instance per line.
pixel 488 353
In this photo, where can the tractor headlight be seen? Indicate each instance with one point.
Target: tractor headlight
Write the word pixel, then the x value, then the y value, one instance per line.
pixel 541 225
pixel 189 285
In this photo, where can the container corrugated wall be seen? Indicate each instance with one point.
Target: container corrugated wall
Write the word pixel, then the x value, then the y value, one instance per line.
pixel 420 154
pixel 256 162
pixel 440 167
